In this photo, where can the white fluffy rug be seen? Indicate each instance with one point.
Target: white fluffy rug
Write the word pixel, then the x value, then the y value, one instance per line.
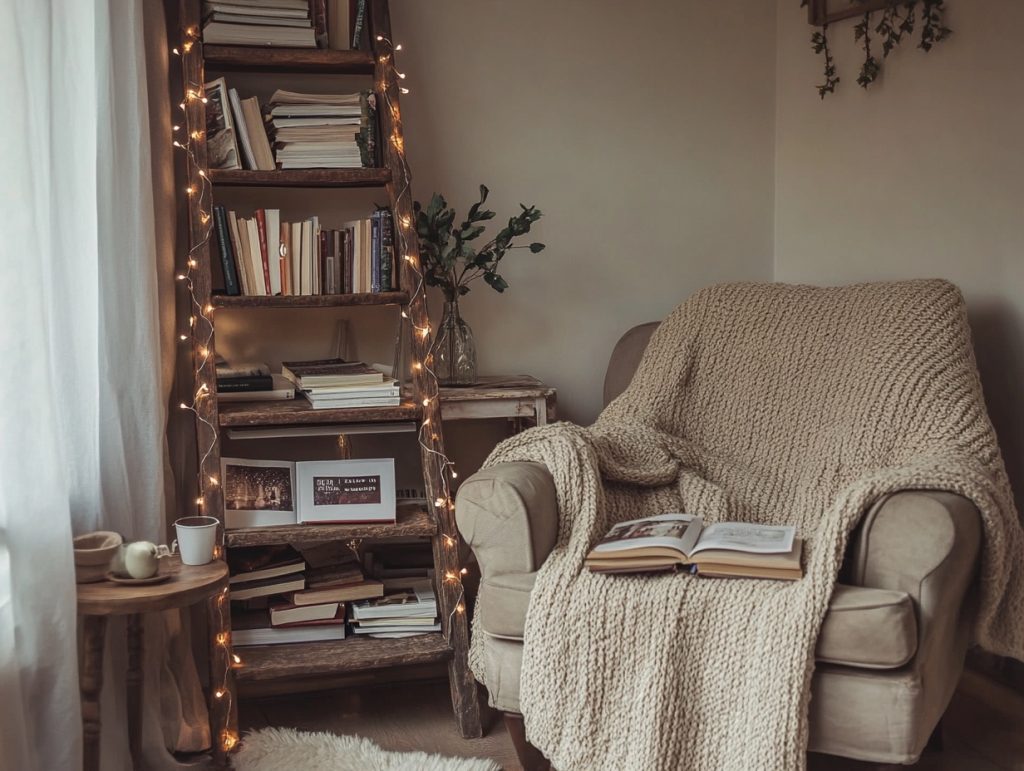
pixel 284 749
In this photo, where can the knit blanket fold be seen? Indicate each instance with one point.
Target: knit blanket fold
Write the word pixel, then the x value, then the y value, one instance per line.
pixel 766 403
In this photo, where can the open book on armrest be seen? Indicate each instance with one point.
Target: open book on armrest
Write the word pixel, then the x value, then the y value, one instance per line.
pixel 722 549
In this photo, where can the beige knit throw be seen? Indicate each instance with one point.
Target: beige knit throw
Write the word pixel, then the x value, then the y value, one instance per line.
pixel 767 403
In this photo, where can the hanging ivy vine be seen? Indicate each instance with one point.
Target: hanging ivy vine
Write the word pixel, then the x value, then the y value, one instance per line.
pixel 896 22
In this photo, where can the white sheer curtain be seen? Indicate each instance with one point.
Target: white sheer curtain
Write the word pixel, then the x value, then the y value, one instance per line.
pixel 84 393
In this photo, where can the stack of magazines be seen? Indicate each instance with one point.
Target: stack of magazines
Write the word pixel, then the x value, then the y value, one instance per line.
pixel 331 384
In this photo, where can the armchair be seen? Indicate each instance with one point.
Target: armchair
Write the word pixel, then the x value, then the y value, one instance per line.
pixel 892 645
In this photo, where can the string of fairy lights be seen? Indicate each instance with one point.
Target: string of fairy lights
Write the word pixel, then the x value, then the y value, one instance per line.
pixel 201 332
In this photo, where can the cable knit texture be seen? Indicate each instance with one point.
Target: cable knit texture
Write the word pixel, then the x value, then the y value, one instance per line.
pixel 765 403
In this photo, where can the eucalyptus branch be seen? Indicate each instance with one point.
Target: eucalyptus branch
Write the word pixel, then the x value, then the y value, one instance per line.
pixel 819 42
pixel 932 28
pixel 870 68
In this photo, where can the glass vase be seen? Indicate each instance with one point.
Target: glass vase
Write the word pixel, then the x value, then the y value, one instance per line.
pixel 454 349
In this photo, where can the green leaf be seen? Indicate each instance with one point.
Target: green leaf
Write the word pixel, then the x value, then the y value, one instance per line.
pixel 536 247
pixel 496 282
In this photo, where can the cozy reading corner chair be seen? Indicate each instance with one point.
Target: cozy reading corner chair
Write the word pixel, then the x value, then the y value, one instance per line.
pixel 890 651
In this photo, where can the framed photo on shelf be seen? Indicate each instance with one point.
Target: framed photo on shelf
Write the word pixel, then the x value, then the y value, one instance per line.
pixel 221 136
pixel 258 493
pixel 346 491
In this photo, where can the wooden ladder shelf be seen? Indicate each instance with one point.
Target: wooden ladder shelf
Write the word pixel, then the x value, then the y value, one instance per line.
pixel 437 520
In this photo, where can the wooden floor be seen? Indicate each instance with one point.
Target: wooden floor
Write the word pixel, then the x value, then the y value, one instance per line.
pixel 984 726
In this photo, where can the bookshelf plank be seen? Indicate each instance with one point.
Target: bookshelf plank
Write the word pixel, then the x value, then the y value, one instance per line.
pixel 310 301
pixel 298 412
pixel 412 520
pixel 301 177
pixel 354 654
pixel 264 59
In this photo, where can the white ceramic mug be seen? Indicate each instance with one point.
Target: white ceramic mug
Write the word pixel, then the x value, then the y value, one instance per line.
pixel 196 537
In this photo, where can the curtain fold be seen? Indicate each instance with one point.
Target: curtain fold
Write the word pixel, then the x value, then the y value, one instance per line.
pixel 86 336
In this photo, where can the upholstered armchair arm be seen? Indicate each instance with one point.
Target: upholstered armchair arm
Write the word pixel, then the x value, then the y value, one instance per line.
pixel 508 515
pixel 926 544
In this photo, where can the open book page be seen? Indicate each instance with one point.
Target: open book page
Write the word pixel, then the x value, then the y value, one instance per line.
pixel 672 531
pixel 746 536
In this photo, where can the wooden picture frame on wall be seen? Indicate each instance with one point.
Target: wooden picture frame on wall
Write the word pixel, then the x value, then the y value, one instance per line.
pixel 822 12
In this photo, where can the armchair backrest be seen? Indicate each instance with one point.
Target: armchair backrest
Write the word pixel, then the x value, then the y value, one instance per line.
pixel 626 358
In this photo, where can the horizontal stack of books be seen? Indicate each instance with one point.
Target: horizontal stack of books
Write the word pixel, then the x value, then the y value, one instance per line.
pixel 399 613
pixel 331 384
pixel 283 594
pixel 251 382
pixel 334 24
pixel 310 131
pixel 323 131
pixel 400 563
pixel 263 256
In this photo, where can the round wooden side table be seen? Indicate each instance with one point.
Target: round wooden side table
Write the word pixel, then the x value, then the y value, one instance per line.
pixel 187 585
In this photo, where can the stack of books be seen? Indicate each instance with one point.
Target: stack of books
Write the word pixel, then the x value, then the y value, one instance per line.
pixel 323 131
pixel 281 595
pixel 336 24
pixel 275 23
pixel 251 382
pixel 263 256
pixel 400 563
pixel 331 384
pixel 400 613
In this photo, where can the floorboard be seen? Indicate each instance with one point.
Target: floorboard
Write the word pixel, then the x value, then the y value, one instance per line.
pixel 984 725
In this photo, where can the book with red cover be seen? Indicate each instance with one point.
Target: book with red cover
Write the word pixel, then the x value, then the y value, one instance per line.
pixel 261 225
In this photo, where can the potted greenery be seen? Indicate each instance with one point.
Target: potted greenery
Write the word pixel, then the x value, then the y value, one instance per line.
pixel 451 263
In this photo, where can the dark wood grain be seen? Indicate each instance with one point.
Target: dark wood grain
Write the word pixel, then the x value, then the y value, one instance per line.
pixel 299 412
pixel 200 206
pixel 266 59
pixel 90 683
pixel 498 387
pixel 411 520
pixel 223 698
pixel 301 177
pixel 310 301
pixel 269 662
pixel 451 595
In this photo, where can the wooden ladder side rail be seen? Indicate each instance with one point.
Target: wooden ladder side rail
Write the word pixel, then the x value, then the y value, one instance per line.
pixel 451 599
pixel 224 711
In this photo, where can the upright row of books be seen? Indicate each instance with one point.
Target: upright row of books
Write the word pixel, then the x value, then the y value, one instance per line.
pixel 263 256
pixel 307 593
pixel 293 131
pixel 334 24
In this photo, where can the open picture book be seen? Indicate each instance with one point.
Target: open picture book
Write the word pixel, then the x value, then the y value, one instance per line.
pixel 722 549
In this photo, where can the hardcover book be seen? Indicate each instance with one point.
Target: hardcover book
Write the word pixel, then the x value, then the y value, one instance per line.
pixel 722 549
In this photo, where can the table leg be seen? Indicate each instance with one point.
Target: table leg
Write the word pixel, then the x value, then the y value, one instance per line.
pixel 134 686
pixel 223 704
pixel 90 683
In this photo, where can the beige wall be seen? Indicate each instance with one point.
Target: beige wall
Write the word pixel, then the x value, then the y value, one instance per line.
pixel 922 175
pixel 642 130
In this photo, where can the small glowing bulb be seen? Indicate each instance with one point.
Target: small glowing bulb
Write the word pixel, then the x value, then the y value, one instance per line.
pixel 463 571
pixel 405 315
pixel 222 638
pixel 191 321
pixel 183 338
pixel 426 421
pixel 450 576
pixel 176 143
pixel 235 658
pixel 417 366
pixel 460 608
pixel 380 37
pixel 175 127
pixel 398 47
pixel 176 52
pixel 202 173
pixel 449 540
pixel 400 74
pixel 439 502
pixel 405 223
pixel 189 190
pixel 183 406
pixel 187 46
pixel 204 100
pixel 219 693
pixel 199 501
pixel 203 351
pixel 229 741
pixel 195 135
pixel 404 90
pixel 213 481
pixel 426 402
pixel 193 263
pixel 181 105
pixel 181 277
pixel 454 475
pixel 208 309
pixel 204 218
pixel 408 258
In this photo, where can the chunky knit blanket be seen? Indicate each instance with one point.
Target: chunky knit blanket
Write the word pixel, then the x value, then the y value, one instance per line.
pixel 764 403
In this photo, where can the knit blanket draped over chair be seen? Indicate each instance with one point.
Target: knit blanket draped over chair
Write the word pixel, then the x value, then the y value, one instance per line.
pixel 765 403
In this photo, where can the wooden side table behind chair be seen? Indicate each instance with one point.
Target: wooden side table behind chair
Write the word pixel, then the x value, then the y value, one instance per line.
pixel 187 586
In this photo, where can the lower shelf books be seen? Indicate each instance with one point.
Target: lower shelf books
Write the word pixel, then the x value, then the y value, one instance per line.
pixel 400 613
pixel 254 628
pixel 722 550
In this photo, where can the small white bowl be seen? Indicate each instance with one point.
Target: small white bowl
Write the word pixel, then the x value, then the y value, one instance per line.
pixel 92 555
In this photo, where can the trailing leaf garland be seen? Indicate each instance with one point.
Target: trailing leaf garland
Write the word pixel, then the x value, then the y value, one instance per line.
pixel 896 23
